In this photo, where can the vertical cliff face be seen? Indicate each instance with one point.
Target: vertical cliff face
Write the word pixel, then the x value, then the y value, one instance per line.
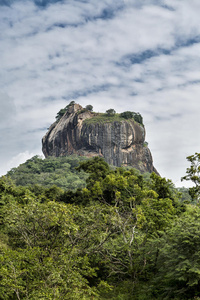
pixel 121 142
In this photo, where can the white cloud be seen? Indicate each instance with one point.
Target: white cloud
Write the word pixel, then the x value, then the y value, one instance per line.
pixel 7 110
pixel 128 55
pixel 17 160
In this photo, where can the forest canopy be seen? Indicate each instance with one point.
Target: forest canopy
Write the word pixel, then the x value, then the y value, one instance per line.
pixel 122 235
pixel 60 171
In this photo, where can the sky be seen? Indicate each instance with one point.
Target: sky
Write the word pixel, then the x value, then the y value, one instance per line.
pixel 135 55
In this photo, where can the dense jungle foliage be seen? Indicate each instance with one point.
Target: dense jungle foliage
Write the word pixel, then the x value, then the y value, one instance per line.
pixel 121 236
pixel 60 171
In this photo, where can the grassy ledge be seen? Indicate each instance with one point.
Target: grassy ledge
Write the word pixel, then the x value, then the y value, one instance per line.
pixel 102 118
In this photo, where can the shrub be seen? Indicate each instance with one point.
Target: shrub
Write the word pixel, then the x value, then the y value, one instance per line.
pixel 127 115
pixel 89 107
pixel 62 111
pixel 138 118
pixel 110 112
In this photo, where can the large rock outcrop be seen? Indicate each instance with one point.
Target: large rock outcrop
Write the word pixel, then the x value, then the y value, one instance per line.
pixel 121 143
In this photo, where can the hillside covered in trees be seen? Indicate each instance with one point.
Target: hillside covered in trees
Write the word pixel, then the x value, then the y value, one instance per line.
pixel 60 171
pixel 122 235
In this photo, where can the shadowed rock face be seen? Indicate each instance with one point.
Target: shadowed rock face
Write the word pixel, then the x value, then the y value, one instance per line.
pixel 121 143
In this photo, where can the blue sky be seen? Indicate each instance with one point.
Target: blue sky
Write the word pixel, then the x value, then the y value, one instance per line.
pixel 137 55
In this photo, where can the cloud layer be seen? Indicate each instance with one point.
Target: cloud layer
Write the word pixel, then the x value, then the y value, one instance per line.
pixel 128 55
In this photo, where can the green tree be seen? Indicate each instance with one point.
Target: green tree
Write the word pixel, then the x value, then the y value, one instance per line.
pixel 138 118
pixel 51 171
pixel 89 107
pixel 178 274
pixel 141 213
pixel 127 115
pixel 96 167
pixel 193 174
pixel 110 112
pixel 62 111
pixel 51 246
pixel 118 237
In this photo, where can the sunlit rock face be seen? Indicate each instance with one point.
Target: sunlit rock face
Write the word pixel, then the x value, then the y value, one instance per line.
pixel 121 143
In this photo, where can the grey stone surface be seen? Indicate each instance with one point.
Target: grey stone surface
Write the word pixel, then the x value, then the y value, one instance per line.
pixel 120 143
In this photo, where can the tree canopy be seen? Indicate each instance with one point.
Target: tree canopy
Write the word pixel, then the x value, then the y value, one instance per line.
pixel 193 174
pixel 110 112
pixel 89 107
pixel 123 235
pixel 59 171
